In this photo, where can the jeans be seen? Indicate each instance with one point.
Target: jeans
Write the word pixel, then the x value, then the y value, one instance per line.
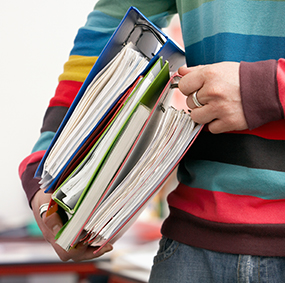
pixel 179 263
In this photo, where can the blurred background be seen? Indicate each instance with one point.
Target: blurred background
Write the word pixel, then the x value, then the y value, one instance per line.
pixel 36 37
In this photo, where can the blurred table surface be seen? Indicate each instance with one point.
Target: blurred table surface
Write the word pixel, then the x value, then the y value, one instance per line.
pixel 129 262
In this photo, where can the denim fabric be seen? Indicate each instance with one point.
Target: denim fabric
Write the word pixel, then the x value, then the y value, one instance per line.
pixel 179 263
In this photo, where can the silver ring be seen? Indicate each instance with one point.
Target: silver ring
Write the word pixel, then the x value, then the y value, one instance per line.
pixel 195 99
pixel 43 208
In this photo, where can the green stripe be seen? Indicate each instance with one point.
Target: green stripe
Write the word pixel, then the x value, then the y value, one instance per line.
pixel 118 8
pixel 220 177
pixel 186 6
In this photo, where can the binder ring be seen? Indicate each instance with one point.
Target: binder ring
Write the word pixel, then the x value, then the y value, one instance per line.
pixel 175 82
pixel 144 28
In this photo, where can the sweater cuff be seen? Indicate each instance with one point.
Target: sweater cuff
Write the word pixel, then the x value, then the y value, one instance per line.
pixel 259 93
pixel 29 183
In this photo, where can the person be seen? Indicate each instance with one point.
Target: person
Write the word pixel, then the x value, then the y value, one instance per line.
pixel 226 221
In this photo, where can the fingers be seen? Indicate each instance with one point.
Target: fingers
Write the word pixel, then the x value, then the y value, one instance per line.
pixel 213 95
pixel 50 226
pixel 218 126
pixel 189 86
pixel 81 252
pixel 107 248
pixel 78 253
pixel 52 222
pixel 203 115
pixel 185 70
pixel 194 100
pixel 191 80
pixel 219 119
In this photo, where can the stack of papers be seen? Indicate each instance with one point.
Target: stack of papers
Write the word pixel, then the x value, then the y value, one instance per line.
pixel 120 139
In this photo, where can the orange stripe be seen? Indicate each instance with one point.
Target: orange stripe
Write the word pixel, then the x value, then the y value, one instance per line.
pixel 227 208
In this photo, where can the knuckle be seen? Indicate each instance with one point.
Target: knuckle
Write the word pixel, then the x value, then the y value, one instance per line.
pixel 223 108
pixel 209 71
pixel 215 90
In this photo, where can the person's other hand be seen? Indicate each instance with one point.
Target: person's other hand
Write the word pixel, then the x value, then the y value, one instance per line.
pixel 51 225
pixel 219 93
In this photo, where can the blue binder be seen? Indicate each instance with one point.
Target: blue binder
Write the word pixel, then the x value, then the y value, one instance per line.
pixel 149 40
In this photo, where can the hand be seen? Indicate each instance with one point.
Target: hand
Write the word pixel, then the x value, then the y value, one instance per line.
pixel 51 225
pixel 219 93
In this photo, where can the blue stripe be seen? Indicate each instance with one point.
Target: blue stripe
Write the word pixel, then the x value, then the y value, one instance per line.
pixel 264 18
pixel 98 29
pixel 43 142
pixel 100 22
pixel 214 176
pixel 92 38
pixel 89 43
pixel 235 47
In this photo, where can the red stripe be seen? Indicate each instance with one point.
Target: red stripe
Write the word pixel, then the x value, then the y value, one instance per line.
pixel 32 158
pixel 281 81
pixel 227 208
pixel 65 93
pixel 271 131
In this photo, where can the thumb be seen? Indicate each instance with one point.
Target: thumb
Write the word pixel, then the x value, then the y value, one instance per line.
pixel 53 222
pixel 184 70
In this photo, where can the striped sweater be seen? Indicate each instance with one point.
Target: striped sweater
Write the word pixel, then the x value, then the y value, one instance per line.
pixel 231 194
